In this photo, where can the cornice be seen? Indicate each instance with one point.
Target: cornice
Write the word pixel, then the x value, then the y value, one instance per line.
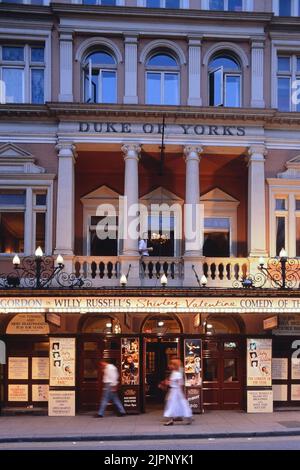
pixel 19 9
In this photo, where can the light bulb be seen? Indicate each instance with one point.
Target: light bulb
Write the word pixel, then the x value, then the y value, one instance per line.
pixel 39 252
pixel 59 260
pixel 203 281
pixel 123 280
pixel 163 280
pixel 16 260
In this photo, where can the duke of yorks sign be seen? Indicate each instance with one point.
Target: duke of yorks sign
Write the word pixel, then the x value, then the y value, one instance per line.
pixel 150 128
pixel 145 304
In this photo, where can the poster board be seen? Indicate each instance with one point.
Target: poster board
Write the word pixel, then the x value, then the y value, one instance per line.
pixel 40 368
pixel 259 401
pixel 295 368
pixel 279 368
pixel 259 362
pixel 18 368
pixel 61 403
pixel 130 373
pixel 62 355
pixel 40 392
pixel 18 392
pixel 193 373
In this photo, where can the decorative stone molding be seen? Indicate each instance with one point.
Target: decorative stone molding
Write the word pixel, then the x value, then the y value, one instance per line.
pixel 293 169
pixel 15 160
pixel 66 150
pixel 221 46
pixel 131 150
pixel 257 153
pixel 163 44
pixel 93 42
pixel 192 152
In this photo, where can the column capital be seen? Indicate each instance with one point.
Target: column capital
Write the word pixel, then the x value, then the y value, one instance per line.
pixel 66 150
pixel 257 152
pixel 131 38
pixel 131 150
pixel 194 40
pixel 192 152
pixel 258 42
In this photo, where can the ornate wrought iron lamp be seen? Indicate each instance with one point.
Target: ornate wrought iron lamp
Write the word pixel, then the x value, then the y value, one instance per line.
pixel 40 272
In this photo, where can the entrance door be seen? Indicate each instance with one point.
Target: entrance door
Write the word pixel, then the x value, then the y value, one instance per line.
pixel 158 355
pixel 223 383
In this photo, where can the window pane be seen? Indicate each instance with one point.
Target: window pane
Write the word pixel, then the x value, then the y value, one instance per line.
pixel 297 204
pixel 108 2
pixel 37 86
pixel 285 7
pixel 297 236
pixel 11 232
pixel 91 93
pixel 280 204
pixel 89 2
pixel 40 199
pixel 230 370
pixel 12 197
pixel 280 234
pixel 40 230
pixel 172 4
pixel 12 53
pixel 216 88
pixel 233 91
pixel 171 92
pixel 101 58
pixel 228 63
pixel 298 64
pixel 37 2
pixel 210 370
pixel 109 87
pixel 162 60
pixel 284 94
pixel 216 4
pixel 235 5
pixel 217 222
pixel 37 54
pixel 284 64
pixel 14 84
pixel 153 88
pixel 153 3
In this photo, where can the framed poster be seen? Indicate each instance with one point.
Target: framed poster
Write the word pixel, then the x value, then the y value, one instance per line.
pixel 259 362
pixel 192 363
pixel 130 366
pixel 40 392
pixel 295 395
pixel 295 368
pixel 62 354
pixel 280 392
pixel 259 401
pixel 17 392
pixel 61 403
pixel 40 368
pixel 18 368
pixel 279 368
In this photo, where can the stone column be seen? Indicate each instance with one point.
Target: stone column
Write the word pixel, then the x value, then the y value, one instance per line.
pixel 66 67
pixel 257 74
pixel 291 242
pixel 29 243
pixel 192 212
pixel 256 201
pixel 194 97
pixel 131 96
pixel 65 212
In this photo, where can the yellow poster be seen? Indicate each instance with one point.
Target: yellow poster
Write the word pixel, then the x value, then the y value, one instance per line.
pixel 259 362
pixel 62 362
pixel 61 403
pixel 40 392
pixel 18 368
pixel 40 368
pixel 17 392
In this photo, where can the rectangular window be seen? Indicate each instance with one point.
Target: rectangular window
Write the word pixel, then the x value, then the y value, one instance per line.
pixel 280 204
pixel 280 234
pixel 37 54
pixel 216 4
pixel 153 88
pixel 297 204
pixel 14 85
pixel 298 236
pixel 285 7
pixel 171 95
pixel 284 94
pixel 40 199
pixel 235 5
pixel 216 87
pixel 172 4
pixel 12 53
pixel 40 230
pixel 12 197
pixel 284 64
pixel 232 91
pixel 153 3
pixel 11 232
pixel 37 86
pixel 104 241
pixel 108 87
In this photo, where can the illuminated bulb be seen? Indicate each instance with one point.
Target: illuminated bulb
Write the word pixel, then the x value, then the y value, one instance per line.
pixel 123 280
pixel 261 261
pixel 59 260
pixel 108 325
pixel 161 323
pixel 163 280
pixel 39 252
pixel 283 253
pixel 16 261
pixel 203 281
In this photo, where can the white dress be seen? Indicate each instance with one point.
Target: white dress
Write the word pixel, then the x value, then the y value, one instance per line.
pixel 177 405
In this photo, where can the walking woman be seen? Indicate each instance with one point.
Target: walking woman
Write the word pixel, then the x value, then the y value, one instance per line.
pixel 177 405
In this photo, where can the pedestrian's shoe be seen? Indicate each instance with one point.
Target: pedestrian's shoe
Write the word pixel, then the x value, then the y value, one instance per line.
pixel 121 414
pixel 98 416
pixel 169 422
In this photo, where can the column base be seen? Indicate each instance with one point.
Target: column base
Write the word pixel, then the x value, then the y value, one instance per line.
pixel 130 266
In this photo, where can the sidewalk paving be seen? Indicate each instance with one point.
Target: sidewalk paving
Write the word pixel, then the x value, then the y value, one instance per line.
pixel 84 427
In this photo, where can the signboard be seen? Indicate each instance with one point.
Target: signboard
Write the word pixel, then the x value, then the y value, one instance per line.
pixel 295 395
pixel 27 324
pixel 259 401
pixel 259 362
pixel 62 362
pixel 61 403
pixel 194 399
pixel 270 323
pixel 130 399
pixel 53 318
pixel 40 392
pixel 17 392
pixel 279 368
pixel 289 324
pixel 192 363
pixel 140 304
pixel 130 363
pixel 280 392
pixel 295 368
pixel 40 368
pixel 18 368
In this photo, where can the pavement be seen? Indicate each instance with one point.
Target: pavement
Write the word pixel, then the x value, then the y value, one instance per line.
pixel 148 426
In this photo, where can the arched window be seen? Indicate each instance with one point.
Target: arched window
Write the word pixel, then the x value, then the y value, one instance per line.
pixel 225 81
pixel 103 324
pixel 100 78
pixel 161 324
pixel 162 79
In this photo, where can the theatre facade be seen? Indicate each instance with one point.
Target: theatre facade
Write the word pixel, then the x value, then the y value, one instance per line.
pixel 116 129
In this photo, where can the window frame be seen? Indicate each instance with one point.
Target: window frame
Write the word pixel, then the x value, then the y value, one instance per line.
pixel 163 70
pixel 101 68
pixel 295 8
pixel 292 75
pixel 183 4
pixel 225 74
